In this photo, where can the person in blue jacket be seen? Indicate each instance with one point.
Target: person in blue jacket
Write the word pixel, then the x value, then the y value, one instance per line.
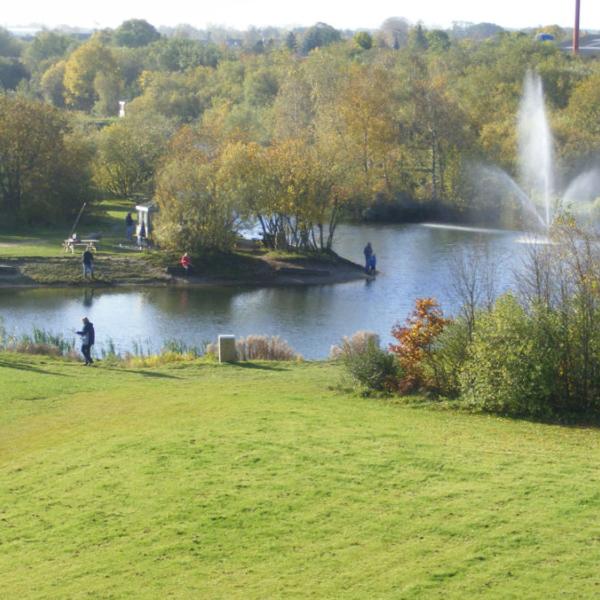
pixel 368 252
pixel 372 265
pixel 88 337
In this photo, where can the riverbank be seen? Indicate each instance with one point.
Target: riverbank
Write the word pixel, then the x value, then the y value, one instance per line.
pixel 269 479
pixel 259 268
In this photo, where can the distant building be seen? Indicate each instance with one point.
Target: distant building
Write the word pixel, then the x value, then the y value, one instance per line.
pixel 589 45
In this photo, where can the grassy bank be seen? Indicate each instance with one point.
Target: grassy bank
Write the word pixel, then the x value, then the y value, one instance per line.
pixel 267 481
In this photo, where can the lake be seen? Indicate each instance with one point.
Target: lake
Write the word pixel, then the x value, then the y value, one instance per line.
pixel 413 260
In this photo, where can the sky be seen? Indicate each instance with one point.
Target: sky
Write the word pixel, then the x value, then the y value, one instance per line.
pixel 241 14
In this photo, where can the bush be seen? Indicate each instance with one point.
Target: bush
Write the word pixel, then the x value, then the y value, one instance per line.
pixel 264 347
pixel 259 347
pixel 416 342
pixel 356 344
pixel 510 367
pixel 371 367
pixel 447 357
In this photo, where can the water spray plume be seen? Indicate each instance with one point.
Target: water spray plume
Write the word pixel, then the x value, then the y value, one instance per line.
pixel 536 190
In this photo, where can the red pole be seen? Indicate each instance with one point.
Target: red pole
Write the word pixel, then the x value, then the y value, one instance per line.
pixel 576 28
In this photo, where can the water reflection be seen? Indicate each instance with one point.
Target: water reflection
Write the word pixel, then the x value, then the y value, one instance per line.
pixel 413 262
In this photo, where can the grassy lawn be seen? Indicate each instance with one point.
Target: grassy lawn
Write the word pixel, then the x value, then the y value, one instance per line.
pixel 267 481
pixel 108 218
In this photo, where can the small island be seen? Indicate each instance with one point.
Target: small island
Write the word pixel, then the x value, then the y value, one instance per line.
pixel 37 259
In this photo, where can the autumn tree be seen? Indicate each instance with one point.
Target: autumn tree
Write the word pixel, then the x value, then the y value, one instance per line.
pixel 91 62
pixel 43 167
pixel 195 214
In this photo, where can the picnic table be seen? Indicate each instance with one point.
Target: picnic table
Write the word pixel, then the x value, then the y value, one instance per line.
pixel 70 244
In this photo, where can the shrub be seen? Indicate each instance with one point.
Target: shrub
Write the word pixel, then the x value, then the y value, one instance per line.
pixel 370 366
pixel 259 347
pixel 510 367
pixel 416 342
pixel 356 344
pixel 448 355
pixel 264 347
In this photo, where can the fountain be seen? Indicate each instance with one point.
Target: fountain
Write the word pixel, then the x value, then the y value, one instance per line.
pixel 536 189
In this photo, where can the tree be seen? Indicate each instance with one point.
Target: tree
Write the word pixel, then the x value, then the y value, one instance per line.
pixel 108 88
pixel 10 46
pixel 81 69
pixel 581 119
pixel 291 42
pixel 363 40
pixel 52 84
pixel 43 168
pixel 12 72
pixel 181 54
pixel 437 40
pixel 260 87
pixel 394 32
pixel 319 35
pixel 46 48
pixel 128 154
pixel 135 33
pixel 195 214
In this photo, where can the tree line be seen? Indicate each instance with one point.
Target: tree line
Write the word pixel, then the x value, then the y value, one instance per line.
pixel 293 133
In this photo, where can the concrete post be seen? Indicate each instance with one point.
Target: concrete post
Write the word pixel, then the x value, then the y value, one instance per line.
pixel 227 352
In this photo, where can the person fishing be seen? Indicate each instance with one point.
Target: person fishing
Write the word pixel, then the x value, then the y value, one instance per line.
pixel 87 261
pixel 368 252
pixel 88 337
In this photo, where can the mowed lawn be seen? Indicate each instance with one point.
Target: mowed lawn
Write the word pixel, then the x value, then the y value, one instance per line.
pixel 267 481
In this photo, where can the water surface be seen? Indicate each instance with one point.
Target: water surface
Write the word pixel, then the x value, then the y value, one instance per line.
pixel 413 260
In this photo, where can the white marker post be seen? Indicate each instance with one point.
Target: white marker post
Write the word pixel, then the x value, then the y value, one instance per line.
pixel 227 351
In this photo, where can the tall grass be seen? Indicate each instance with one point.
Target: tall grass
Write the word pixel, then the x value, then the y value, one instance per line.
pixel 39 341
pixel 260 347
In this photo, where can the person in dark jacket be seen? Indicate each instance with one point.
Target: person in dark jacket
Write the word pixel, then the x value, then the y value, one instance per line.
pixel 129 226
pixel 88 337
pixel 372 265
pixel 88 263
pixel 368 252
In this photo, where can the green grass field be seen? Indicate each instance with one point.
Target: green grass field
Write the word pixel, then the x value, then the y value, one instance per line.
pixel 267 480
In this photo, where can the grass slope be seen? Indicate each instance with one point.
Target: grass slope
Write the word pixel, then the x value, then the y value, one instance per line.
pixel 265 481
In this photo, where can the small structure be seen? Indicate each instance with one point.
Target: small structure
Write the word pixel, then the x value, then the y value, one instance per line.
pixel 144 216
pixel 122 104
pixel 227 351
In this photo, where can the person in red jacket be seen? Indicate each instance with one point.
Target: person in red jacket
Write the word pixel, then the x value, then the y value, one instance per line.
pixel 186 262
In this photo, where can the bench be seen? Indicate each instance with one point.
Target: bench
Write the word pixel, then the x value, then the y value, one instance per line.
pixel 70 244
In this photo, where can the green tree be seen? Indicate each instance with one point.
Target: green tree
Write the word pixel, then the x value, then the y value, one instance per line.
pixel 135 33
pixel 10 46
pixel 363 40
pixel 319 35
pixel 128 153
pixel 52 84
pixel 47 47
pixel 12 72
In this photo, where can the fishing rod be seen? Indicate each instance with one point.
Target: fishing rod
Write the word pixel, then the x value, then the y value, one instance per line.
pixel 77 219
